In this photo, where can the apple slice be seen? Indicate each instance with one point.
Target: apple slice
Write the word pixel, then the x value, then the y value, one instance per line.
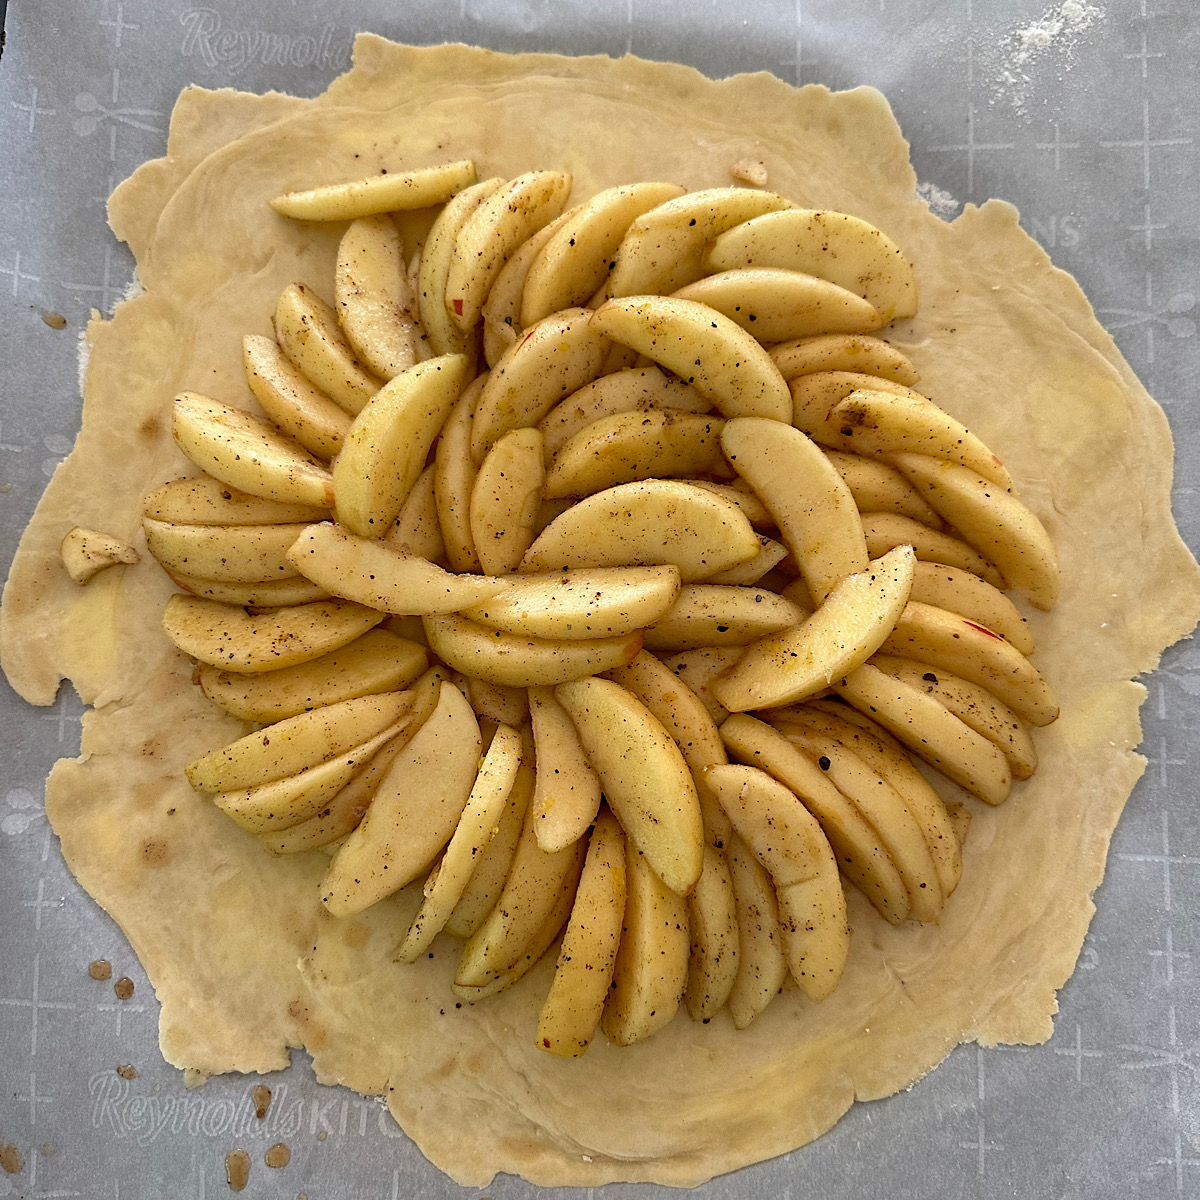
pixel 943 639
pixel 417 530
pixel 385 450
pixel 414 811
pixel 487 880
pixel 645 778
pixel 497 702
pixel 368 572
pixel 551 360
pixel 297 406
pixel 375 300
pixel 770 554
pixel 877 487
pixel 628 446
pixel 454 478
pixel 771 820
pixel 874 796
pixel 583 603
pixel 634 389
pixel 713 930
pixel 245 452
pixel 965 593
pixel 378 661
pixel 228 553
pixel 281 804
pixel 235 640
pixel 535 949
pixel 843 633
pixel 814 396
pixel 836 246
pixel 505 499
pixel 889 760
pixel 663 248
pixel 861 856
pixel 739 492
pixel 651 970
pixel 475 829
pixel 704 348
pixel 789 843
pixel 566 796
pixel 536 880
pixel 993 521
pixel 654 522
pixel 516 660
pixel 762 967
pixel 87 552
pixel 577 259
pixel 710 614
pixel 344 813
pixel 931 731
pixel 394 191
pixel 884 423
pixel 260 593
pixel 436 255
pixel 308 332
pixel 815 511
pixel 297 743
pixel 490 234
pixel 773 304
pixel 683 715
pixel 973 705
pixel 843 352
pixel 203 500
pixel 502 325
pixel 884 531
pixel 698 668
pixel 583 975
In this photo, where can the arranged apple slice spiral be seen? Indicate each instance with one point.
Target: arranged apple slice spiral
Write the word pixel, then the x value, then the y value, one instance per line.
pixel 628 639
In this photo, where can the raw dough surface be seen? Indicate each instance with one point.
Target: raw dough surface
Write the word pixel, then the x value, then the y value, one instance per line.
pixel 244 961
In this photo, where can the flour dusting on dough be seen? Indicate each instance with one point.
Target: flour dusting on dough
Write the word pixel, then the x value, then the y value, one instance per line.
pixel 939 201
pixel 84 353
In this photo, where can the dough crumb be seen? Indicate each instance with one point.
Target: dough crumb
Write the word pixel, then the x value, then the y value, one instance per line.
pixel 751 171
pixel 85 553
pixel 11 1159
pixel 127 1072
pixel 100 969
pixel 193 1079
pixel 123 988
pixel 54 320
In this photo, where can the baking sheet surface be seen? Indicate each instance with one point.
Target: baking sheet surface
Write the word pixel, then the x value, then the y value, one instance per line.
pixel 1084 115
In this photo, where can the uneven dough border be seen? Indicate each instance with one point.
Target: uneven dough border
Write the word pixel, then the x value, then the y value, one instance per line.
pixel 244 963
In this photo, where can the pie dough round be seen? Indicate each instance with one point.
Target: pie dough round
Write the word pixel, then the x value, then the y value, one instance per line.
pixel 244 960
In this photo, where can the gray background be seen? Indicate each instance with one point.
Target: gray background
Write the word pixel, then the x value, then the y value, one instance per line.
pixel 1099 152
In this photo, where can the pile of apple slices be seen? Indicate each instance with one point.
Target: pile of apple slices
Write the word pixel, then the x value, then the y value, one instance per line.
pixel 629 634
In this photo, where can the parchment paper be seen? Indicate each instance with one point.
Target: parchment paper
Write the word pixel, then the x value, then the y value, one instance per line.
pixel 1107 1107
